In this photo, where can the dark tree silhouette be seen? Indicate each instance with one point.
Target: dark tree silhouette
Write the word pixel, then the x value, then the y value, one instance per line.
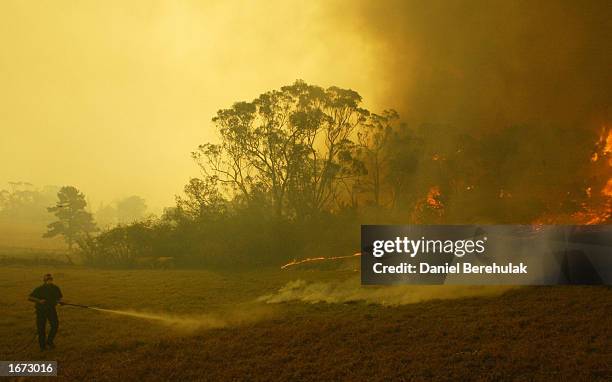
pixel 293 145
pixel 73 222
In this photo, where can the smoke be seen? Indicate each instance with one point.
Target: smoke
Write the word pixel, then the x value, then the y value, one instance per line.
pixel 480 64
pixel 512 88
pixel 351 291
pixel 193 322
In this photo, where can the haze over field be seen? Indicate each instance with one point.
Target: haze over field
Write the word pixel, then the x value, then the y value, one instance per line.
pixel 113 96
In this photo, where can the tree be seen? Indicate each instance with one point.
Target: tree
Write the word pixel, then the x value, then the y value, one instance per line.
pixel 25 203
pixel 73 222
pixel 131 209
pixel 106 216
pixel 292 145
pixel 202 199
pixel 374 148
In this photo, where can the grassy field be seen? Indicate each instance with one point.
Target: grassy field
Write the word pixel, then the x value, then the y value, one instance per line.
pixel 214 326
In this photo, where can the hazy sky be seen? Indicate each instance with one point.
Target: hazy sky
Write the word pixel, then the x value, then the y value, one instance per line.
pixel 112 96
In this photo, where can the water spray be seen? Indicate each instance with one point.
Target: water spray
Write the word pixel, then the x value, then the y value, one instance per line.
pixel 122 312
pixel 180 322
pixel 93 308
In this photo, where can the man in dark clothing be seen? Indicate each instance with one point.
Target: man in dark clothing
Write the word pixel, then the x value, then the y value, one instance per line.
pixel 46 297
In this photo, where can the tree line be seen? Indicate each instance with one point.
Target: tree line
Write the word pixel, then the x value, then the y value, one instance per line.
pixel 297 170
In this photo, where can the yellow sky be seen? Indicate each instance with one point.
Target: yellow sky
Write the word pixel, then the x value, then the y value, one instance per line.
pixel 112 96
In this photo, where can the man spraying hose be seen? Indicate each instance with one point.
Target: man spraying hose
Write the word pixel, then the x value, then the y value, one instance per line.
pixel 46 297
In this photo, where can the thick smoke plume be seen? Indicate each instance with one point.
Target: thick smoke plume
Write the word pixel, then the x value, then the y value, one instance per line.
pixel 482 64
pixel 527 83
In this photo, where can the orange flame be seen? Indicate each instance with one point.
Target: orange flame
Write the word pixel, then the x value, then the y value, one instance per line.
pixel 607 150
pixel 608 146
pixel 313 259
pixel 598 208
pixel 432 197
pixel 607 190
pixel 603 212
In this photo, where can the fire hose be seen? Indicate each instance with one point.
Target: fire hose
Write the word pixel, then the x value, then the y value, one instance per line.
pixel 78 305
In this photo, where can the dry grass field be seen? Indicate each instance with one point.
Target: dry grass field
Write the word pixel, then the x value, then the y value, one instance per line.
pixel 211 326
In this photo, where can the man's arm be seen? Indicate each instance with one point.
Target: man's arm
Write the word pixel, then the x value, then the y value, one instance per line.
pixel 34 298
pixel 37 300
